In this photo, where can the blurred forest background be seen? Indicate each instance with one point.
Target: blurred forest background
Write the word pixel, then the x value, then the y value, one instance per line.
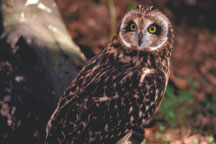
pixel 188 111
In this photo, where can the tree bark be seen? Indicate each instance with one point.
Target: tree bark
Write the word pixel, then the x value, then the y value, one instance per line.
pixel 38 60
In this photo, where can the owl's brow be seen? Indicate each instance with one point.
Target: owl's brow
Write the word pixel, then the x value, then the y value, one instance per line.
pixel 144 9
pixel 141 8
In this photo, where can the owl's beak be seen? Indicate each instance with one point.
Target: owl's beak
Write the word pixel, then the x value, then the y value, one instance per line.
pixel 140 37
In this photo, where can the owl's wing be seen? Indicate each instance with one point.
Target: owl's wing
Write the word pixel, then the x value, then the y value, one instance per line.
pixel 111 92
pixel 81 80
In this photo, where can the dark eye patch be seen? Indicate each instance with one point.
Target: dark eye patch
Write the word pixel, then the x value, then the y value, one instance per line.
pixel 158 28
pixel 128 27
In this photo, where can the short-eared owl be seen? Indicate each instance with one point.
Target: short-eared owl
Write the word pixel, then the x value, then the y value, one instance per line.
pixel 120 88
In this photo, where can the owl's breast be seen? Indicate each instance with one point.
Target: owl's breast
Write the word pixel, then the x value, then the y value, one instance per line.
pixel 132 96
pixel 152 87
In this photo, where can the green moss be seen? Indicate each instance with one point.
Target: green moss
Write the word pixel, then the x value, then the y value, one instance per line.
pixel 132 5
pixel 173 105
pixel 209 104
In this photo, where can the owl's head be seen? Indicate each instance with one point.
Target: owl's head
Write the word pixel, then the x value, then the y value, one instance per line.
pixel 145 28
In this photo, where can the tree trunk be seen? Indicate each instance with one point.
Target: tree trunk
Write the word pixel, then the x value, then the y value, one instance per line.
pixel 38 60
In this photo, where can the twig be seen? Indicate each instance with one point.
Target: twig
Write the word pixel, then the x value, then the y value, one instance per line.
pixel 112 17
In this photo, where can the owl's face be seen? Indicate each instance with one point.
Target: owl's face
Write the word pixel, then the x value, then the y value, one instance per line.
pixel 144 29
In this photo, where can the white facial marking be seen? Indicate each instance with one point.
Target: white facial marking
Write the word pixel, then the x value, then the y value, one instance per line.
pixel 164 22
pixel 124 41
pixel 122 26
pixel 136 21
pixel 147 39
pixel 158 46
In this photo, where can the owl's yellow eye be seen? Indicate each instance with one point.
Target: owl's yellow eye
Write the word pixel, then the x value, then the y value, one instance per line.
pixel 152 29
pixel 133 27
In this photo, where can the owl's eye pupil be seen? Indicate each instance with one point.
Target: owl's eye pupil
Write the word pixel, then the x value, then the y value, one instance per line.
pixel 152 29
pixel 133 27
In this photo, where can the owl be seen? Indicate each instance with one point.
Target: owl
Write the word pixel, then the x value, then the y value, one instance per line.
pixel 120 88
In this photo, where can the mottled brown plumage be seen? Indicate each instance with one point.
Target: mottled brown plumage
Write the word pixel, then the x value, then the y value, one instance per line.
pixel 120 88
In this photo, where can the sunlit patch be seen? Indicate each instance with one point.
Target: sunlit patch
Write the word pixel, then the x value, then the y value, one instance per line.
pixel 31 2
pixel 45 8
